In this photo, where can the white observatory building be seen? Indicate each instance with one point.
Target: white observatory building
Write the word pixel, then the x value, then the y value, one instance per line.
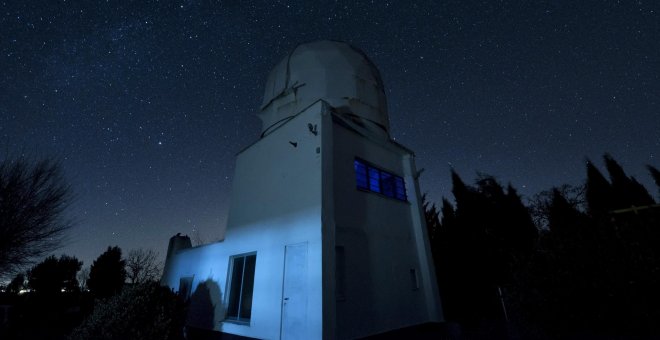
pixel 326 237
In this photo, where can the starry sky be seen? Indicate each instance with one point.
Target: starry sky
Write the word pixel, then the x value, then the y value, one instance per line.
pixel 147 102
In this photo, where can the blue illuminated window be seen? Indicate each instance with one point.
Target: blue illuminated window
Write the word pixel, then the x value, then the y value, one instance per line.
pixel 361 175
pixel 373 179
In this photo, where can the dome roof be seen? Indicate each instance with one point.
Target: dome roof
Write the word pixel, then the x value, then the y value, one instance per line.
pixel 333 71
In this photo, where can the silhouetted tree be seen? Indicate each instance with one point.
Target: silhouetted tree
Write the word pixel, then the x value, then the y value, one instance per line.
pixel 564 219
pixel 655 173
pixel 521 233
pixel 107 274
pixel 143 311
pixel 53 275
pixel 481 244
pixel 626 190
pixel 431 217
pixel 448 214
pixel 33 198
pixel 539 205
pixel 586 265
pixel 83 276
pixel 589 268
pixel 598 192
pixel 142 266
pixel 17 284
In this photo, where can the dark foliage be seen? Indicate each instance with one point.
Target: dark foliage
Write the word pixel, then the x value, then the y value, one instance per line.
pixel 17 284
pixel 478 247
pixel 33 198
pixel 626 190
pixel 53 275
pixel 655 173
pixel 44 316
pixel 142 266
pixel 432 219
pixel 598 192
pixel 588 268
pixel 539 205
pixel 107 274
pixel 142 311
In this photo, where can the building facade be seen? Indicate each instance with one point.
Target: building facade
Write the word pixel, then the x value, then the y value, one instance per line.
pixel 326 235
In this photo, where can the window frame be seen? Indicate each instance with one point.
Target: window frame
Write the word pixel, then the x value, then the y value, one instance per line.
pixel 228 291
pixel 388 183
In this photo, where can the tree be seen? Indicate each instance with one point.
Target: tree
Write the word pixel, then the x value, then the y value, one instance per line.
pixel 107 274
pixel 53 275
pixel 83 276
pixel 655 173
pixel 143 311
pixel 142 266
pixel 539 204
pixel 598 192
pixel 593 263
pixel 33 199
pixel 432 218
pixel 481 243
pixel 627 191
pixel 17 284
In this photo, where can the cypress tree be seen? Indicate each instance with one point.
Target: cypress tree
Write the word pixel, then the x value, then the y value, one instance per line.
pixel 599 192
pixel 626 191
pixel 448 215
pixel 655 173
pixel 107 274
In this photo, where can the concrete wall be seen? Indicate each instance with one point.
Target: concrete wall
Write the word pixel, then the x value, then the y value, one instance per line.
pixel 379 239
pixel 296 186
pixel 276 201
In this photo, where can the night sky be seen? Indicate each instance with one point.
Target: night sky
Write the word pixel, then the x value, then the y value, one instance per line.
pixel 147 103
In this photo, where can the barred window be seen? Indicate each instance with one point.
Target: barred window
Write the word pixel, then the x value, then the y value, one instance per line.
pixel 370 178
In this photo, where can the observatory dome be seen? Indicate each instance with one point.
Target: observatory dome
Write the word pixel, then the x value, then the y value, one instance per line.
pixel 333 71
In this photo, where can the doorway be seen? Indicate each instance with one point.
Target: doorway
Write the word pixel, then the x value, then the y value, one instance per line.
pixel 294 292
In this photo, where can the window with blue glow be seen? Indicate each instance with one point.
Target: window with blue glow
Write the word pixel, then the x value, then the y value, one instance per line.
pixel 374 179
pixel 370 178
pixel 361 175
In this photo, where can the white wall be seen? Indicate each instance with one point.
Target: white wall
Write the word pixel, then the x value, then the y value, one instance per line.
pixel 378 234
pixel 280 197
pixel 276 200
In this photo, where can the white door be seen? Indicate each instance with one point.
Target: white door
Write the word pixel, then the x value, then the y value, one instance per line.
pixel 294 292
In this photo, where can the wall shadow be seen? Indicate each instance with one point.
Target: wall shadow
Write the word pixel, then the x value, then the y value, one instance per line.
pixel 205 308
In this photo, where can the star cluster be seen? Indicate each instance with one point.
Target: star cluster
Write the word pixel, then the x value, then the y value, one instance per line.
pixel 146 103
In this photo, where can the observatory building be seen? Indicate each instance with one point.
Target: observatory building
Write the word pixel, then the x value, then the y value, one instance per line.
pixel 326 237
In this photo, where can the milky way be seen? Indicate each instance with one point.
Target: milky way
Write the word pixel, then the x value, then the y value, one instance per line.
pixel 147 103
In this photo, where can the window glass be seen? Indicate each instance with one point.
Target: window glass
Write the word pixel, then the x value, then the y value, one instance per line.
pixel 235 286
pixel 370 178
pixel 248 287
pixel 241 287
pixel 387 184
pixel 361 175
pixel 374 179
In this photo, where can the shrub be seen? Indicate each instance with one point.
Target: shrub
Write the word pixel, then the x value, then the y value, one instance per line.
pixel 144 311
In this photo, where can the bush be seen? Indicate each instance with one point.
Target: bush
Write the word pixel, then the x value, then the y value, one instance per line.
pixel 144 311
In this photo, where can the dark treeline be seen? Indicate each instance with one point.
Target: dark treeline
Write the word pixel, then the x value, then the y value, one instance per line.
pixel 575 262
pixel 56 300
